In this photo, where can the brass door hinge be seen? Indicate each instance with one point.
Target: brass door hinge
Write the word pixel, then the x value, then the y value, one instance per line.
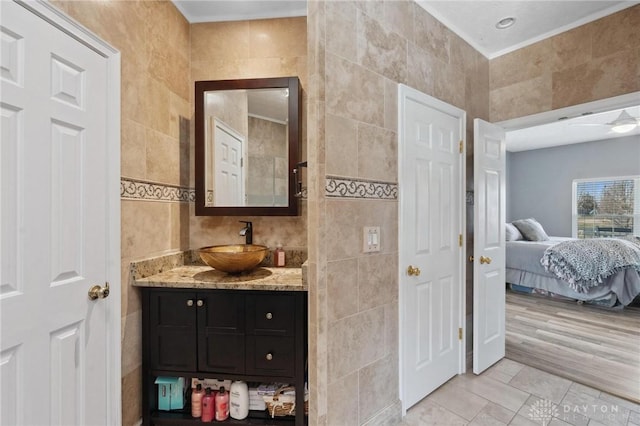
pixel 460 333
pixel 460 240
pixel 461 147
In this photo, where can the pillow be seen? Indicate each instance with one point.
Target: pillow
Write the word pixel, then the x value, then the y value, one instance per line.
pixel 512 233
pixel 531 230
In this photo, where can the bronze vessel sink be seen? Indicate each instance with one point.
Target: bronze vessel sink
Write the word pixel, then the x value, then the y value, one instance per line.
pixel 233 258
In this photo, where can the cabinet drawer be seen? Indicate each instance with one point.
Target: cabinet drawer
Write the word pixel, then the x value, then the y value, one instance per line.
pixel 270 355
pixel 271 314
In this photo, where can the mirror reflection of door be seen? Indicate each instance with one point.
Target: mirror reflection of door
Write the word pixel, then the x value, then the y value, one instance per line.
pixel 227 149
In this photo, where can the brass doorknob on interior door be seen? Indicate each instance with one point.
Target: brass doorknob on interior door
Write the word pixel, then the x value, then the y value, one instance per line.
pixel 411 271
pixel 269 356
pixel 99 292
pixel 484 259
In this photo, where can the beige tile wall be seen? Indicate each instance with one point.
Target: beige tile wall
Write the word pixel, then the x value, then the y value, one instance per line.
pixel 153 38
pixel 597 60
pixel 251 49
pixel 358 52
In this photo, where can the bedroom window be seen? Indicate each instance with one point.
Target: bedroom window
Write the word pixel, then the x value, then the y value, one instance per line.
pixel 606 207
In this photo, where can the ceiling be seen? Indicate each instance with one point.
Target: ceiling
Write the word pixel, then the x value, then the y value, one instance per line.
pixel 272 104
pixel 587 128
pixel 475 21
pixel 238 10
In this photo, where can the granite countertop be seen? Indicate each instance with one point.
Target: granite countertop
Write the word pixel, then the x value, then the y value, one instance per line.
pixel 205 277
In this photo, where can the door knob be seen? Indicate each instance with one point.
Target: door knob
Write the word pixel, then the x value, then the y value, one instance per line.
pixel 99 292
pixel 484 259
pixel 411 271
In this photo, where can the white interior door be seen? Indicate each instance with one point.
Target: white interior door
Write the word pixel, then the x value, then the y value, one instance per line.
pixel 58 350
pixel 489 245
pixel 431 222
pixel 229 180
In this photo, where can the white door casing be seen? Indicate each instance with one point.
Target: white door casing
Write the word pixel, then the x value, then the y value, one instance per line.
pixel 60 220
pixel 229 162
pixel 489 245
pixel 431 222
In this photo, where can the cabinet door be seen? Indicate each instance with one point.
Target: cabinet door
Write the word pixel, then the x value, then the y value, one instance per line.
pixel 172 331
pixel 221 328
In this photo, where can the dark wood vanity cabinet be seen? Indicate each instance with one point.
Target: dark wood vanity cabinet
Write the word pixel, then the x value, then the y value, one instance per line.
pixel 255 336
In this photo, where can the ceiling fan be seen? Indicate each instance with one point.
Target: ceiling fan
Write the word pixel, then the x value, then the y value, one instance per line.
pixel 623 124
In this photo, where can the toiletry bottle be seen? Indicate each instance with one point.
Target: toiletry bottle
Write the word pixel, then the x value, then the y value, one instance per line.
pixel 196 401
pixel 222 405
pixel 278 256
pixel 208 405
pixel 239 400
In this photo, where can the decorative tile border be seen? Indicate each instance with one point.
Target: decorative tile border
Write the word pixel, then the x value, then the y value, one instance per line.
pixel 140 190
pixel 133 189
pixel 360 188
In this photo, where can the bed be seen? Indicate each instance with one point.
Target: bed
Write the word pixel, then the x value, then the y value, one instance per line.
pixel 526 273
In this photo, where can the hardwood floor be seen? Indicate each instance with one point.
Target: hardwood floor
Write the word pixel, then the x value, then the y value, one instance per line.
pixel 594 346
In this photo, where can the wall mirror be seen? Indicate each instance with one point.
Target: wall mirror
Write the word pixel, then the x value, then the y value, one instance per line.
pixel 247 135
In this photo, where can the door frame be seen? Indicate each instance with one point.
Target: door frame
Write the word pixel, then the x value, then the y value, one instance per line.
pixel 601 105
pixel 546 117
pixel 403 93
pixel 67 25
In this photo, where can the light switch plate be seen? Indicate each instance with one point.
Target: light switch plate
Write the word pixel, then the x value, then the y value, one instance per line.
pixel 371 239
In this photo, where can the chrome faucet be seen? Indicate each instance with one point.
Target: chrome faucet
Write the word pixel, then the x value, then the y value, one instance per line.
pixel 247 232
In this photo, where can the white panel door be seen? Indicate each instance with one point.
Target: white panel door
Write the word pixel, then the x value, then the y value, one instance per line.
pixel 229 180
pixel 431 221
pixel 489 245
pixel 54 218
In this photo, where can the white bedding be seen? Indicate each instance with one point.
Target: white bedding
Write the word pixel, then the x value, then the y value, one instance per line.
pixel 523 268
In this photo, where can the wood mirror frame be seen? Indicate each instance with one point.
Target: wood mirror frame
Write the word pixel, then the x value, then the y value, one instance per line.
pixel 294 107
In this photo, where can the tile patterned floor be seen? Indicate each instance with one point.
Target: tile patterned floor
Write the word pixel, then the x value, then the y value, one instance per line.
pixel 510 393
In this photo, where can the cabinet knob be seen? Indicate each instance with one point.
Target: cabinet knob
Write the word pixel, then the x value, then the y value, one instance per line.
pixel 269 356
pixel 269 315
pixel 200 302
pixel 190 302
